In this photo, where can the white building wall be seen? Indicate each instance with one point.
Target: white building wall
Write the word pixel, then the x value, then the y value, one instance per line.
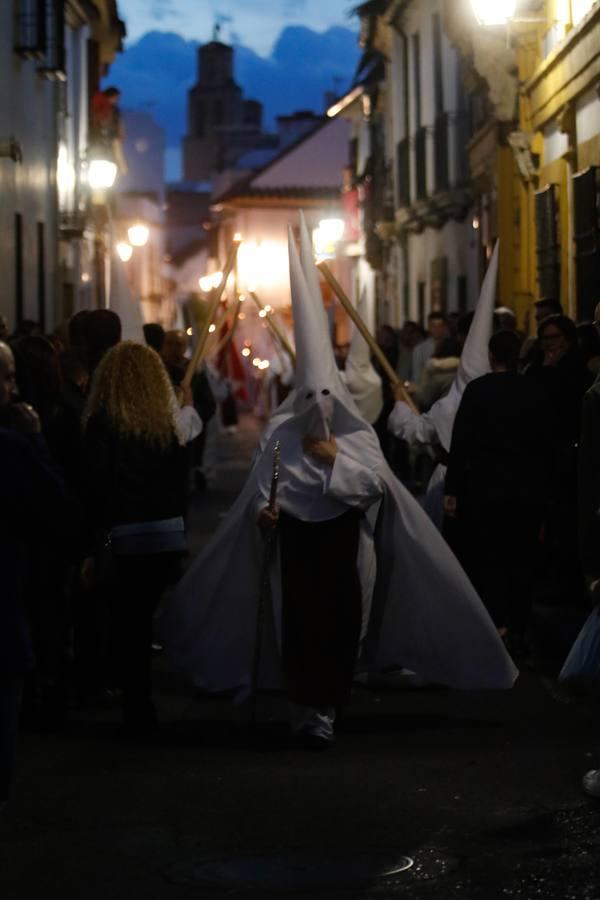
pixel 28 109
pixel 556 143
pixel 76 289
pixel 452 240
pixel 588 116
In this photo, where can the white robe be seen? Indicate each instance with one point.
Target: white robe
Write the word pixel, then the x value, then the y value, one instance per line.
pixel 424 614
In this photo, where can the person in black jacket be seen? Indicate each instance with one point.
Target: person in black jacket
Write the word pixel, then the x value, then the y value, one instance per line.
pixel 32 503
pixel 498 473
pixel 559 372
pixel 135 474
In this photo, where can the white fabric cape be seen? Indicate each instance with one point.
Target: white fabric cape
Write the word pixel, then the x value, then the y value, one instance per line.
pixel 425 615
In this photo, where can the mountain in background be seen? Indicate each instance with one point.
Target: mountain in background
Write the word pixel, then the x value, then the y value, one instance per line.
pixel 155 73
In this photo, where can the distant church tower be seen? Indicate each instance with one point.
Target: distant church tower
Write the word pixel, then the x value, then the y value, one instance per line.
pixel 222 125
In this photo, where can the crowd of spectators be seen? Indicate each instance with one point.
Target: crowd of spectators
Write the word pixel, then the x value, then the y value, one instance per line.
pixel 521 489
pixel 101 443
pixel 98 444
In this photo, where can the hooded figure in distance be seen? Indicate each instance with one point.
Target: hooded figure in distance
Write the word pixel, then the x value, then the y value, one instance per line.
pixel 360 377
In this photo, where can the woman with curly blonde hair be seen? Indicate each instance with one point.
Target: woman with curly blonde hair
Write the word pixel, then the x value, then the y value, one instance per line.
pixel 134 472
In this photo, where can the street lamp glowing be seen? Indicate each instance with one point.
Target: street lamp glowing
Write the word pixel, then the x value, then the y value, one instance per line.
pixel 332 229
pixel 246 351
pixel 138 234
pixel 125 251
pixel 326 236
pixel 101 174
pixel 212 328
pixel 494 12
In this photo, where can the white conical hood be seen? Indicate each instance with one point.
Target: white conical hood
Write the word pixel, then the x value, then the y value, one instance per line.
pixel 360 377
pixel 474 360
pixel 311 273
pixel 315 364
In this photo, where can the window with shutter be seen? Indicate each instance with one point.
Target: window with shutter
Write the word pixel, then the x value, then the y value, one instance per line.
pixel 54 64
pixel 548 247
pixel 586 200
pixel 403 172
pixel 30 28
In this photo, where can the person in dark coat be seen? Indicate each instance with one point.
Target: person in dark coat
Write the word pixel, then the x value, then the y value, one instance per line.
pixel 31 504
pixel 135 488
pixel 589 483
pixel 589 518
pixel 560 373
pixel 498 474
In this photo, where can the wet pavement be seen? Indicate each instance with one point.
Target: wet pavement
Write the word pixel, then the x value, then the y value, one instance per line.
pixel 427 793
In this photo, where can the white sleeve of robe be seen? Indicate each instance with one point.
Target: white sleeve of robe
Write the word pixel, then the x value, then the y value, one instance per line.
pixel 188 423
pixel 352 483
pixel 408 426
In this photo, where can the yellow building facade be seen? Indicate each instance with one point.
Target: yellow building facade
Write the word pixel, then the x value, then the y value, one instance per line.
pixel 561 106
pixel 535 151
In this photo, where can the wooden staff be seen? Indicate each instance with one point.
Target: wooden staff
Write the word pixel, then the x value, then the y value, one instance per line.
pixel 372 343
pixel 222 342
pixel 276 330
pixel 200 350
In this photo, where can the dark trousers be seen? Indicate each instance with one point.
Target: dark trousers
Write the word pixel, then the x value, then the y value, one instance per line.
pixel 498 545
pixel 11 688
pixel 322 607
pixel 139 584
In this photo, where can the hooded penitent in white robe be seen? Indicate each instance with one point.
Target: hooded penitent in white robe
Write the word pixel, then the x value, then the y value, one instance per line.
pixel 435 426
pixel 420 612
pixel 360 377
